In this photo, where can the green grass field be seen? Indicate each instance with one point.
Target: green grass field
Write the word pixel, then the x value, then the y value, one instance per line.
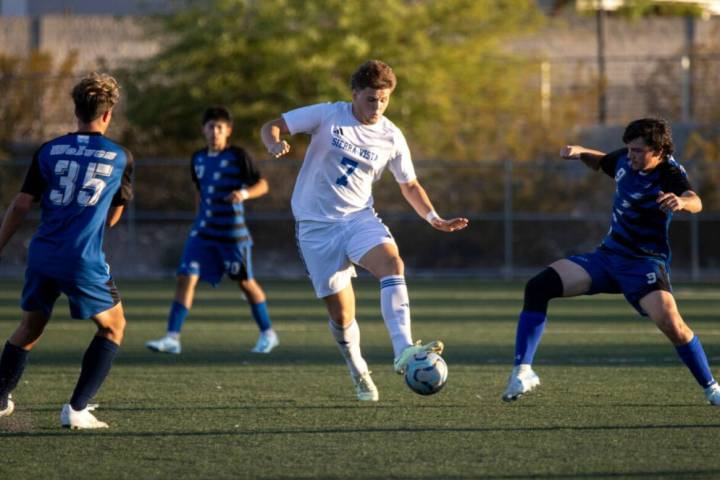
pixel 615 400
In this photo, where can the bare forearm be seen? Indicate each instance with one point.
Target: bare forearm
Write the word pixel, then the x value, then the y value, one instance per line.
pixel 693 203
pixel 259 189
pixel 114 215
pixel 417 197
pixel 588 156
pixel 270 134
pixel 14 217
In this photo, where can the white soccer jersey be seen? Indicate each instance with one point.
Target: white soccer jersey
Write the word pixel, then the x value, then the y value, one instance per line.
pixel 343 160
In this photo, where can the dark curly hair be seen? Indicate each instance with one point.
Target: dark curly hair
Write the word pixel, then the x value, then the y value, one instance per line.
pixel 655 132
pixel 219 114
pixel 94 95
pixel 374 74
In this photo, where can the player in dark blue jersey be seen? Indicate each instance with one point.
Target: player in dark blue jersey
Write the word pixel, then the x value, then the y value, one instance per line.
pixel 634 257
pixel 83 182
pixel 219 242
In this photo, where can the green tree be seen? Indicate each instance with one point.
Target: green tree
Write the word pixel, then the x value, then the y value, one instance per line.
pixel 459 96
pixel 33 91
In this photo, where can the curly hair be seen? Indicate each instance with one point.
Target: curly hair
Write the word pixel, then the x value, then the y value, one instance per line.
pixel 94 95
pixel 374 74
pixel 655 132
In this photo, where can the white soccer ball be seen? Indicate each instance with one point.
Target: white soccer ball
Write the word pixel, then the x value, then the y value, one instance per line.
pixel 426 373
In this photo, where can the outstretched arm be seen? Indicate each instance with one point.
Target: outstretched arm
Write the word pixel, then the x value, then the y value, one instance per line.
pixel 588 156
pixel 416 196
pixel 271 134
pixel 14 216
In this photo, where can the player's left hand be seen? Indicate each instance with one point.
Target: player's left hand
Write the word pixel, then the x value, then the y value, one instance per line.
pixel 669 202
pixel 234 197
pixel 451 225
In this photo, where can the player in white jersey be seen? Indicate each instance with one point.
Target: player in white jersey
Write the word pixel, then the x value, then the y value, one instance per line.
pixel 337 227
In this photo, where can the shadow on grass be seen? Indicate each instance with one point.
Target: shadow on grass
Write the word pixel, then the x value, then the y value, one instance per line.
pixel 366 430
pixel 598 354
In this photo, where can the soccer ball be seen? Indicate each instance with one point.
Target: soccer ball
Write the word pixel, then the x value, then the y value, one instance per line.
pixel 426 373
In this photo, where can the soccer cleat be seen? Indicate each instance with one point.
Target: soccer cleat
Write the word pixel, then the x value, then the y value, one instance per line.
pixel 80 420
pixel 9 409
pixel 266 342
pixel 402 361
pixel 164 345
pixel 365 387
pixel 522 380
pixel 712 393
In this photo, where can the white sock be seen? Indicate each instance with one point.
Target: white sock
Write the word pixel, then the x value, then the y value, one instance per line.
pixel 395 306
pixel 348 341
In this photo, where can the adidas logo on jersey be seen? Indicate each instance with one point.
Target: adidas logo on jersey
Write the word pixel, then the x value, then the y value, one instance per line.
pixel 337 131
pixel 81 152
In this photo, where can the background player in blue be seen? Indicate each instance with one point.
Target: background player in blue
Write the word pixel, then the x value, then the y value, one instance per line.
pixel 219 242
pixel 634 257
pixel 82 181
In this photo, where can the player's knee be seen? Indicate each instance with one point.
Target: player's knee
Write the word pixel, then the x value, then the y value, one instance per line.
pixel 113 329
pixel 674 327
pixel 26 334
pixel 394 266
pixel 184 283
pixel 542 288
pixel 248 285
pixel 341 318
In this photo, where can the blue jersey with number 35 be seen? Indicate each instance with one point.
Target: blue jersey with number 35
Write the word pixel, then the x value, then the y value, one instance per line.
pixel 77 178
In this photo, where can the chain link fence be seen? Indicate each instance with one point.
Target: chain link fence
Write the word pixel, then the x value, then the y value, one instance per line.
pixel 523 216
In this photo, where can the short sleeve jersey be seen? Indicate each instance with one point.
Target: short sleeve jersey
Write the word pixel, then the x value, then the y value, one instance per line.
pixel 638 227
pixel 343 161
pixel 76 178
pixel 216 175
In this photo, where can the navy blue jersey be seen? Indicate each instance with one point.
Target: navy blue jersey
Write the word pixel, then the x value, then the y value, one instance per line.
pixel 216 176
pixel 77 178
pixel 639 228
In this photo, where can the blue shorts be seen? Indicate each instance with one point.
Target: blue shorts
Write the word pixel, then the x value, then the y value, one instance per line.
pixel 211 260
pixel 633 277
pixel 86 300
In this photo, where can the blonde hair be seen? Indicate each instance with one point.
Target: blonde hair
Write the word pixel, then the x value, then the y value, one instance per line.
pixel 94 95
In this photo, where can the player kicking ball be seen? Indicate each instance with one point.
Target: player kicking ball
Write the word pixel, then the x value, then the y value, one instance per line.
pixel 219 242
pixel 337 227
pixel 633 259
pixel 82 181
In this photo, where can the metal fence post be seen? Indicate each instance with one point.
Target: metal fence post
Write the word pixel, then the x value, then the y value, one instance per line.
pixel 132 217
pixel 508 219
pixel 686 87
pixel 695 248
pixel 545 91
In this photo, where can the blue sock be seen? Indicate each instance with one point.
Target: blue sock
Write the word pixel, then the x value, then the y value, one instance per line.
pixel 693 355
pixel 12 365
pixel 529 331
pixel 260 314
pixel 176 318
pixel 95 367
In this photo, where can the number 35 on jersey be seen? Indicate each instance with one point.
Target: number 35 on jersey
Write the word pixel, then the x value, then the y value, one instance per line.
pixel 67 171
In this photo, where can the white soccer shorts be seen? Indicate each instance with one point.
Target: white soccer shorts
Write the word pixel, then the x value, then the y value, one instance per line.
pixel 329 249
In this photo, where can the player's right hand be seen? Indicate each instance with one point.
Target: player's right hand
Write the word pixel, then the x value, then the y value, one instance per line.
pixel 571 152
pixel 278 149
